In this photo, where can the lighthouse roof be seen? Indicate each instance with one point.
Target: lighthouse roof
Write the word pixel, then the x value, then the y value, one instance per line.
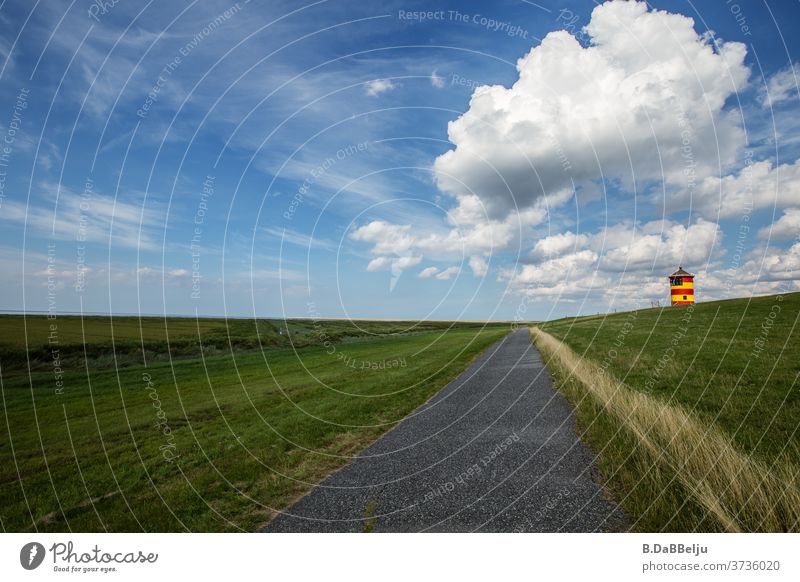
pixel 681 273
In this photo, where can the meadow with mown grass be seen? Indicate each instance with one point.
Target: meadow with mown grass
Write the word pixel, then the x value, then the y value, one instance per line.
pixel 693 411
pixel 154 424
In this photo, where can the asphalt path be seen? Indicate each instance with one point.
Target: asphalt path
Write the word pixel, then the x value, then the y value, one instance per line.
pixel 496 450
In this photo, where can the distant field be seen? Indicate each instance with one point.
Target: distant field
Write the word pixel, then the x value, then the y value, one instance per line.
pixel 122 341
pixel 211 441
pixel 732 365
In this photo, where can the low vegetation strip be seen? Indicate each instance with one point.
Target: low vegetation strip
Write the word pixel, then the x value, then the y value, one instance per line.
pixel 28 342
pixel 730 490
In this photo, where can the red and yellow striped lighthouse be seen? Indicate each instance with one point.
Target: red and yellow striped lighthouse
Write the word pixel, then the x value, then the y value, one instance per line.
pixel 681 287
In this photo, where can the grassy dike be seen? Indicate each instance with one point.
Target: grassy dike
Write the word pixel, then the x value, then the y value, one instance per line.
pixel 210 442
pixel 693 412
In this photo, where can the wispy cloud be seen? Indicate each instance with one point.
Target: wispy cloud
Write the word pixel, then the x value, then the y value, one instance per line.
pixel 90 217
pixel 292 237
pixel 378 86
pixel 781 86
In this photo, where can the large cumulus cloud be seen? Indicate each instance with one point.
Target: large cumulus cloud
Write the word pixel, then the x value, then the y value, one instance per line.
pixel 644 102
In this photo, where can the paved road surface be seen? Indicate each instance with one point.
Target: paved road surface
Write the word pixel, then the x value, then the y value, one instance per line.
pixel 495 450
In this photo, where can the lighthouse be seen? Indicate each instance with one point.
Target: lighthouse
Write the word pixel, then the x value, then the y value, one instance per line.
pixel 681 287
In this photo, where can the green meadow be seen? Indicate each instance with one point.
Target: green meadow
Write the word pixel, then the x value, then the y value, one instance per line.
pixel 729 368
pixel 159 424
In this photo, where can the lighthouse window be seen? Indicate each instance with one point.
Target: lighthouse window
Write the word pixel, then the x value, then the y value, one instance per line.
pixel 684 297
pixel 677 281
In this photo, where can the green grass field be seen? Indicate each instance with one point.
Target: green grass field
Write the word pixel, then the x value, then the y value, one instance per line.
pixel 732 365
pixel 121 341
pixel 213 440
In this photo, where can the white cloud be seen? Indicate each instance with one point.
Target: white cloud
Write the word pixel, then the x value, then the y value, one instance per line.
pixel 444 244
pixel 757 185
pixel 427 272
pixel 387 238
pixel 552 273
pixel 787 226
pixel 407 262
pixel 673 245
pixel 781 86
pixel 556 245
pixel 157 273
pixel 446 274
pixel 471 233
pixel 478 266
pixel 766 270
pixel 378 86
pixel 625 258
pixel 379 264
pixel 620 108
pixel 384 263
pixel 776 264
pixel 436 80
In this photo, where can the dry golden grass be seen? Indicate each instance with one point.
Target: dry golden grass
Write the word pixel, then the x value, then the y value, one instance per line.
pixel 742 493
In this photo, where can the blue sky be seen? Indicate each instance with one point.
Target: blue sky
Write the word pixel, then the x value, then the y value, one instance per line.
pixel 437 160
